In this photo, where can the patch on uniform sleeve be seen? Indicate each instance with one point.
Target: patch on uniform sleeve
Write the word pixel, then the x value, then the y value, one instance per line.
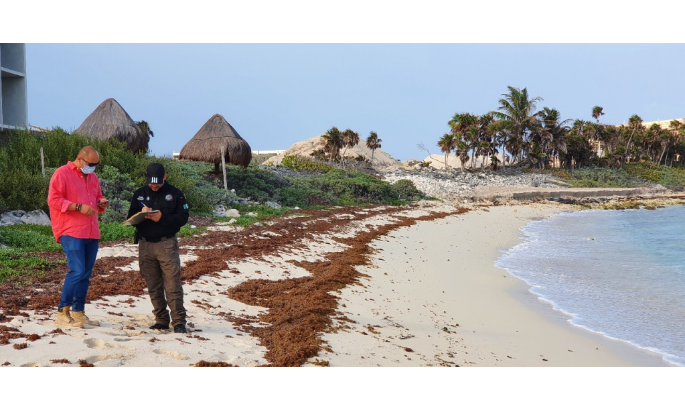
pixel 185 206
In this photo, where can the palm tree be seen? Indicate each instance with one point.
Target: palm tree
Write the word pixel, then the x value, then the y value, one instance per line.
pixel 653 141
pixel 578 149
pixel 635 126
pixel 463 126
pixel 536 155
pixel 334 143
pixel 514 146
pixel 146 131
pixel 595 133
pixel 597 112
pixel 676 129
pixel 483 149
pixel 518 116
pixel 447 144
pixel 611 136
pixel 349 140
pixel 471 138
pixel 540 135
pixel 486 134
pixel 373 143
pixel 678 153
pixel 463 153
pixel 500 137
pixel 494 165
pixel 554 133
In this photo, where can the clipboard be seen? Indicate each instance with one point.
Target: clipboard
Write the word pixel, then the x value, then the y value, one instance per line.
pixel 138 218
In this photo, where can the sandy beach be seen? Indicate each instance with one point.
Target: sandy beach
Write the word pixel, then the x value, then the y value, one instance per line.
pixel 426 293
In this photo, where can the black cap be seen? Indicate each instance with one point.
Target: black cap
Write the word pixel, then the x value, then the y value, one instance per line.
pixel 155 173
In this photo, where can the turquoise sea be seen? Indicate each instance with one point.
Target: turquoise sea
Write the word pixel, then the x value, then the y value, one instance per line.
pixel 618 273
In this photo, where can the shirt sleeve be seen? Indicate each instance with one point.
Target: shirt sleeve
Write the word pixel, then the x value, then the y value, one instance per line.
pixel 180 215
pixel 98 195
pixel 57 191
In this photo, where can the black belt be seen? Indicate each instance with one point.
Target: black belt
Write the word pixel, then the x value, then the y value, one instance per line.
pixel 155 240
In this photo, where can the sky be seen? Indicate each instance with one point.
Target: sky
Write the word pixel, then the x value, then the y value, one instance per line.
pixel 275 95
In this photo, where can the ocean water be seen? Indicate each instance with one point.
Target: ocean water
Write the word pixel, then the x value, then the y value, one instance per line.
pixel 618 273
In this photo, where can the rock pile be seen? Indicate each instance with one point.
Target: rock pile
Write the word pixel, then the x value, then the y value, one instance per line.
pixel 452 185
pixel 38 217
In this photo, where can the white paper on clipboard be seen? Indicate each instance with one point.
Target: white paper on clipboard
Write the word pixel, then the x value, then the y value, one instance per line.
pixel 138 218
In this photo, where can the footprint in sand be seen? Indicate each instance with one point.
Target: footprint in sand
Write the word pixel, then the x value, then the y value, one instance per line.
pixel 32 364
pixel 119 358
pixel 101 344
pixel 170 353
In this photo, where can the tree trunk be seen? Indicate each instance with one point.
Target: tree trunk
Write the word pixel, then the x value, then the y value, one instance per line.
pixel 662 156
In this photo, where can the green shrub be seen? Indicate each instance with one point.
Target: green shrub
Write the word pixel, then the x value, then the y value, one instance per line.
pixel 594 177
pixel 341 188
pixel 675 179
pixel 118 188
pixel 555 172
pixel 29 238
pixel 296 195
pixel 405 189
pixel 24 190
pixel 113 231
pixel 645 171
pixel 672 178
pixel 297 163
pixel 254 183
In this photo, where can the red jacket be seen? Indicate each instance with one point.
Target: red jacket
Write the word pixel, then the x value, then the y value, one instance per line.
pixel 66 186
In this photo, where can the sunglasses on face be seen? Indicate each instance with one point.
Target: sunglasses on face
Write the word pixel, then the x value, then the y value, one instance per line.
pixel 89 164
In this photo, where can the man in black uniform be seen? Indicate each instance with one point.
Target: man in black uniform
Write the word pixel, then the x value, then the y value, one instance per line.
pixel 158 256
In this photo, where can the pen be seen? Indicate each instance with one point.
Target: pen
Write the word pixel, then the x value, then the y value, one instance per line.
pixel 141 202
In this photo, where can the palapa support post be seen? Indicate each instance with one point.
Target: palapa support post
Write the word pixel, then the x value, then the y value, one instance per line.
pixel 223 166
pixel 42 161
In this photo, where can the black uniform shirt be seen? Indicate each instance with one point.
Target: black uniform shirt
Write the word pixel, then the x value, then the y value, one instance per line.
pixel 170 201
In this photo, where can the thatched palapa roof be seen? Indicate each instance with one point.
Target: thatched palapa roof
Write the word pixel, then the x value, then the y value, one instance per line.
pixel 110 120
pixel 214 137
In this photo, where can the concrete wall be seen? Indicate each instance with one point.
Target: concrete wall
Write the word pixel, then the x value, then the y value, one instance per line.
pixel 13 91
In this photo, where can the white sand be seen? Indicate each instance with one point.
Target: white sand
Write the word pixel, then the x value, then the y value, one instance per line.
pixel 434 289
pixel 434 298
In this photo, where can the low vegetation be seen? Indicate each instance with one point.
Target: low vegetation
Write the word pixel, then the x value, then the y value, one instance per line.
pixel 631 175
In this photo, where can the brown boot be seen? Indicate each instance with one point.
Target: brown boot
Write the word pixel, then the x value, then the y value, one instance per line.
pixel 64 319
pixel 80 317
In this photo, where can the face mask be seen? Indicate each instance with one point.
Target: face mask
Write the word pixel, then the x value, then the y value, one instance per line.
pixel 87 170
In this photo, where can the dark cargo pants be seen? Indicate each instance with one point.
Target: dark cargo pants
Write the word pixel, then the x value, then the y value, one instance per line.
pixel 160 267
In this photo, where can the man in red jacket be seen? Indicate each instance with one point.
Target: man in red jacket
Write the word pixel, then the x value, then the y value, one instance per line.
pixel 75 199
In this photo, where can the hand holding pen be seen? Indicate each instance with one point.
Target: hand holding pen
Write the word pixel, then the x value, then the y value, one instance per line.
pixel 155 216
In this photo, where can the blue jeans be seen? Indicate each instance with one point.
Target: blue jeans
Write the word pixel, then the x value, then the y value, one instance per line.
pixel 81 254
